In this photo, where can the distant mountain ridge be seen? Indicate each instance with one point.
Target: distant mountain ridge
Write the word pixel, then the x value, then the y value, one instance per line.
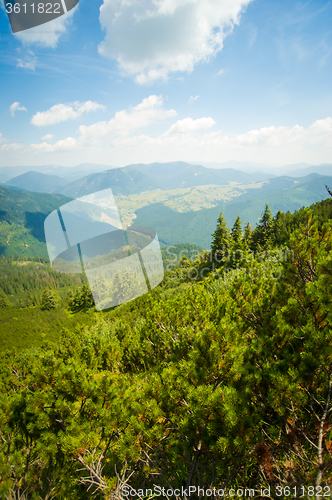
pixel 322 169
pixel 37 182
pixel 70 174
pixel 134 179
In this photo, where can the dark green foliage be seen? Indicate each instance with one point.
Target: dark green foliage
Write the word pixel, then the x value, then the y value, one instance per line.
pixel 263 234
pixel 221 238
pixel 237 232
pixel 22 216
pixel 81 300
pixel 19 276
pixel 212 383
pixel 48 300
pixel 4 302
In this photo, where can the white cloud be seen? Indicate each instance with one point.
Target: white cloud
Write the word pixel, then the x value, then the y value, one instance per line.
pixel 16 107
pixel 30 61
pixel 189 141
pixel 47 34
pixel 63 112
pixel 47 137
pixel 188 125
pixel 131 137
pixel 13 146
pixel 31 64
pixel 148 111
pixel 152 38
pixel 193 99
pixel 67 144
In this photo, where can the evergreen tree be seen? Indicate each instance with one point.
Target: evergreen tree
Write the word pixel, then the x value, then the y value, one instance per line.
pixel 82 299
pixel 263 234
pixel 237 232
pixel 48 300
pixel 237 240
pixel 247 235
pixel 221 243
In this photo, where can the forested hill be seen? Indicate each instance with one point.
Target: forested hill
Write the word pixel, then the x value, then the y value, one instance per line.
pixel 22 216
pixel 219 378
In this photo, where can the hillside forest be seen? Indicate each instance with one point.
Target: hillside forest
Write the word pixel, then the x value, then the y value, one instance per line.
pixel 219 378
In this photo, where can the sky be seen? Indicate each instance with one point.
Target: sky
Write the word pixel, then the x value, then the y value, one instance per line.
pixel 117 82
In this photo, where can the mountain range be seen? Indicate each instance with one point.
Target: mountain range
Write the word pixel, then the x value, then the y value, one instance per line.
pixel 180 201
pixel 133 179
pixel 70 174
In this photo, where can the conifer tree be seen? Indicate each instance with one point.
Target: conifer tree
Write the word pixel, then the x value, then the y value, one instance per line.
pixel 221 243
pixel 262 236
pixel 237 240
pixel 247 235
pixel 48 300
pixel 237 231
pixel 82 299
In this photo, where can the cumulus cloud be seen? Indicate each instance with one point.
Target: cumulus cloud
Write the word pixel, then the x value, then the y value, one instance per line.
pixel 67 144
pixel 63 112
pixel 143 134
pixel 188 125
pixel 189 139
pixel 148 111
pixel 47 137
pixel 152 38
pixel 12 146
pixel 16 107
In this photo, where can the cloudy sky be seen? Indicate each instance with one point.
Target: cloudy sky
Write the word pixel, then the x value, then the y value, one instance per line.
pixel 128 81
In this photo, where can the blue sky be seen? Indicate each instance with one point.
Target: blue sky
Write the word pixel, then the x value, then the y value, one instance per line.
pixel 119 82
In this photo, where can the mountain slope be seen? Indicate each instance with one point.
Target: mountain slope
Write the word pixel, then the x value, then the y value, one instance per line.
pixel 322 169
pixel 196 227
pixel 70 174
pixel 134 179
pixel 22 216
pixel 37 182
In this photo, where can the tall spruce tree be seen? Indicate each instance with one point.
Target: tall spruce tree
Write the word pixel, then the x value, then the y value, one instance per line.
pixel 237 232
pixel 262 236
pixel 237 240
pixel 222 242
pixel 48 300
pixel 247 235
